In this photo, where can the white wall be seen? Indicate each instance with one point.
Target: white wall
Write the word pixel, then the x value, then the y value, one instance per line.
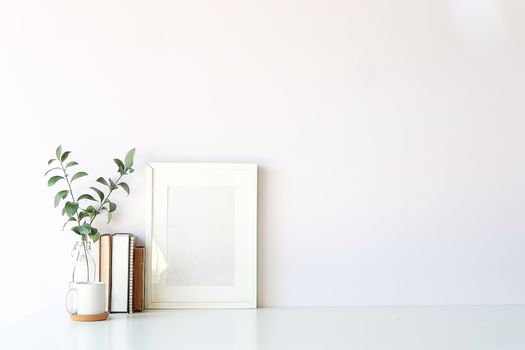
pixel 389 136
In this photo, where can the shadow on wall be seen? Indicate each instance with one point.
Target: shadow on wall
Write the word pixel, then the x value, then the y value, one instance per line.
pixel 263 256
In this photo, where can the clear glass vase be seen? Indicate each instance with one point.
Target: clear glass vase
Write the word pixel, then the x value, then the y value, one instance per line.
pixel 84 269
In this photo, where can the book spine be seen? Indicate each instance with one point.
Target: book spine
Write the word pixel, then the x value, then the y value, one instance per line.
pixel 104 265
pixel 142 279
pixel 110 270
pixel 130 285
pixel 138 279
pixel 100 259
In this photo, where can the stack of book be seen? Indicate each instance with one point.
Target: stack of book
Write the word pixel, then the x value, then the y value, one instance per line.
pixel 121 266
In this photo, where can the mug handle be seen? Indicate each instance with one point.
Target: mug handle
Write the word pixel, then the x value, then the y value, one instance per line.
pixel 71 312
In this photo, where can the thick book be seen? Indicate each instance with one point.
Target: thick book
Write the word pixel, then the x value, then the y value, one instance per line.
pixel 138 279
pixel 104 265
pixel 120 272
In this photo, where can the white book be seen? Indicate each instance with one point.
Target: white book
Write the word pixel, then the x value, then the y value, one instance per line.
pixel 120 272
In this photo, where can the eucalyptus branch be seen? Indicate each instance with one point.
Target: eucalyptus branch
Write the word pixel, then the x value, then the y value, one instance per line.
pixel 103 201
pixel 85 217
pixel 69 185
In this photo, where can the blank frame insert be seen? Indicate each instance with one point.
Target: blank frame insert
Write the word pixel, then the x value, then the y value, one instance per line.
pixel 201 235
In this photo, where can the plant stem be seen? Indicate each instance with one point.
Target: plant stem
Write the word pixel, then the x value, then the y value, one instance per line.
pixel 73 273
pixel 102 204
pixel 70 188
pixel 84 243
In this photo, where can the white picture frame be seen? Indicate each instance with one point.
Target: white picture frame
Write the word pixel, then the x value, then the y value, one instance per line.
pixel 201 236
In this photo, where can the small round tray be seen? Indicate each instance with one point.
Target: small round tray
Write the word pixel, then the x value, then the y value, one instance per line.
pixel 90 318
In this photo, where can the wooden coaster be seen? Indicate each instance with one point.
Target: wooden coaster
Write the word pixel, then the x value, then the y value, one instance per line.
pixel 90 318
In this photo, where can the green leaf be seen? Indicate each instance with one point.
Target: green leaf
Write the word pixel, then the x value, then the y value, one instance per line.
pixel 125 187
pixel 112 207
pixel 102 181
pixel 128 161
pixel 47 172
pixel 131 170
pixel 53 180
pixel 83 214
pixel 59 152
pixel 110 215
pixel 86 196
pixel 95 235
pixel 50 161
pixel 78 175
pixel 71 164
pixel 120 165
pixel 112 185
pixel 71 208
pixel 59 196
pixel 64 156
pixel 67 222
pixel 84 229
pixel 99 193
pixel 91 211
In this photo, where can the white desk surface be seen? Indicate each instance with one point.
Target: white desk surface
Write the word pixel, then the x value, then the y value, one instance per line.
pixel 385 328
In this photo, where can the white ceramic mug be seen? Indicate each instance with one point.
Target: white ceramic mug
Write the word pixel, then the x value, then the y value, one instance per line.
pixel 89 298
